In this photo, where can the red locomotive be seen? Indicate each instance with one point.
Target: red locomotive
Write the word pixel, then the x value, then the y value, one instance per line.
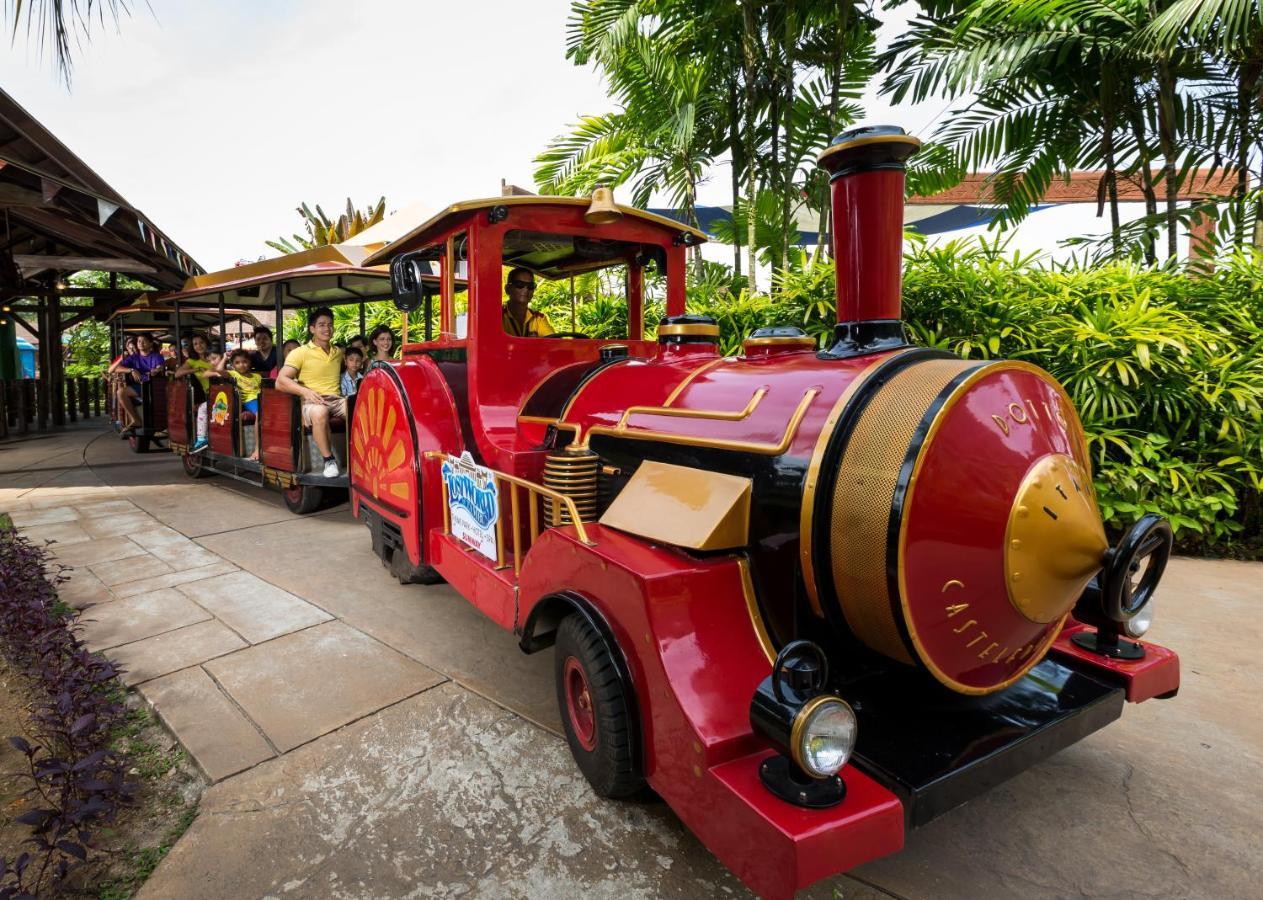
pixel 813 598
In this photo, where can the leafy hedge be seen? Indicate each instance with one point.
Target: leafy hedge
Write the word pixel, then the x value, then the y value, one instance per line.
pixel 1165 366
pixel 75 781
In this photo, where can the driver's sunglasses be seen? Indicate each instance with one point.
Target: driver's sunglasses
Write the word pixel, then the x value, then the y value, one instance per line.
pixel 528 285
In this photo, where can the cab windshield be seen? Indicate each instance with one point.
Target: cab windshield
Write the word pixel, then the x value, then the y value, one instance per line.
pixel 583 286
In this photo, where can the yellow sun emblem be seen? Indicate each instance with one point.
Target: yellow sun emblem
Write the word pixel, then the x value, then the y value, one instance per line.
pixel 380 461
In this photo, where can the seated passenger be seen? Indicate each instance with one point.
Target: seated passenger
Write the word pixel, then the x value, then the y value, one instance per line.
pixel 519 319
pixel 313 372
pixel 359 341
pixel 286 350
pixel 263 359
pixel 137 367
pixel 351 378
pixel 248 385
pixel 201 360
pixel 382 342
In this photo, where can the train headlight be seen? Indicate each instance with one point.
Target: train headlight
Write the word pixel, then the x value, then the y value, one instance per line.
pixel 823 736
pixel 813 730
pixel 1138 624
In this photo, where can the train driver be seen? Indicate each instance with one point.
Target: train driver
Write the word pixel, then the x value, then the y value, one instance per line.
pixel 519 319
pixel 313 371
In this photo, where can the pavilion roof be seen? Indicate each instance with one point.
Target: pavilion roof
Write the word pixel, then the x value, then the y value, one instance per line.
pixel 59 216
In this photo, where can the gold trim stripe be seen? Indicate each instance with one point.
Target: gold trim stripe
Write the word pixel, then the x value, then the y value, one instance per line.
pixel 686 329
pixel 691 440
pixel 752 607
pixel 721 415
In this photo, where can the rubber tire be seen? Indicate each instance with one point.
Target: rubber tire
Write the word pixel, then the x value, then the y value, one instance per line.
pixel 610 765
pixel 139 443
pixel 195 466
pixel 406 573
pixel 303 499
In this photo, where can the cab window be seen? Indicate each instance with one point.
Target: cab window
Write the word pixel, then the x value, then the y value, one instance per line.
pixel 583 286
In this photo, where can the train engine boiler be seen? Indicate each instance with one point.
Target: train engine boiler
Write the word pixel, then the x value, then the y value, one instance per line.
pixel 812 596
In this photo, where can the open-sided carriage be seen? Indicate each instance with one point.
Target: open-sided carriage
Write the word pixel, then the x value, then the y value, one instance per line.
pixel 163 322
pixel 813 597
pixel 324 276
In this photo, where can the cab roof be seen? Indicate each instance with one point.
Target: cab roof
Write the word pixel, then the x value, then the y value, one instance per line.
pixel 326 275
pixel 147 315
pixel 437 224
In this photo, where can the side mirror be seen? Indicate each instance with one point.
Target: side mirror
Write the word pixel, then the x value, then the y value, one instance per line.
pixel 406 282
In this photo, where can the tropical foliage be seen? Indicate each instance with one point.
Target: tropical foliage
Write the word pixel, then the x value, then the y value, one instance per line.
pixel 322 230
pixel 61 26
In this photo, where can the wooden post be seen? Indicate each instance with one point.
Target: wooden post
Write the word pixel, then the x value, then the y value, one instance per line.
pixel 23 423
pixel 56 363
pixel 72 401
pixel 4 409
pixel 98 391
pixel 85 385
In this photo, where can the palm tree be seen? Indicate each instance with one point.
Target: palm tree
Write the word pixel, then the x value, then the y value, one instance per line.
pixel 1060 85
pixel 1231 31
pixel 62 25
pixel 322 230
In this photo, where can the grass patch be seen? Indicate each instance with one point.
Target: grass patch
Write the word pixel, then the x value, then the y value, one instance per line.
pixel 138 863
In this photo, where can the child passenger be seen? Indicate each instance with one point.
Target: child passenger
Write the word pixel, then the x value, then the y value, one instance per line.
pixel 249 384
pixel 288 348
pixel 353 359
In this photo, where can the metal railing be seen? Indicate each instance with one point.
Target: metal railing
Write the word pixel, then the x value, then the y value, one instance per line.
pixel 534 494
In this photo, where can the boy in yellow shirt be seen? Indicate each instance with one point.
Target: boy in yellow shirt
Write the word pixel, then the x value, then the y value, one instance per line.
pixel 249 384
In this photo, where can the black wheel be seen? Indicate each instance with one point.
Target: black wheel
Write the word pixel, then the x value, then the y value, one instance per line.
pixel 594 710
pixel 195 465
pixel 138 442
pixel 403 569
pixel 303 498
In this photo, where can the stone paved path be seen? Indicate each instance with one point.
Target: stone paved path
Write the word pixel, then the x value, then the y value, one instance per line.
pixel 369 739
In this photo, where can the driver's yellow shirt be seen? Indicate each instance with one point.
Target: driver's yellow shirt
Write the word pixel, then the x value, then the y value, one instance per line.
pixel 536 324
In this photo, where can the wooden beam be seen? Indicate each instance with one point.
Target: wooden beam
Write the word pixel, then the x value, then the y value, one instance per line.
pixel 16 195
pixel 31 264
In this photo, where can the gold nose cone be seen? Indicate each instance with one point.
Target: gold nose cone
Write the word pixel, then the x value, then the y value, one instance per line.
pixel 1055 541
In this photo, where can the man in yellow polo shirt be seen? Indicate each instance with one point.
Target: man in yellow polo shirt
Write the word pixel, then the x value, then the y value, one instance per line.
pixel 518 318
pixel 314 373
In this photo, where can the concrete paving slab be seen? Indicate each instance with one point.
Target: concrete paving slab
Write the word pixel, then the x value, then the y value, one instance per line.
pixel 433 625
pixel 107 508
pixel 144 585
pixel 221 740
pixel 175 650
pixel 83 589
pixel 61 532
pixel 119 524
pixel 253 608
pixel 88 553
pixel 185 556
pixel 48 516
pixel 187 508
pixel 305 684
pixel 445 795
pixel 131 568
pixel 159 535
pixel 135 618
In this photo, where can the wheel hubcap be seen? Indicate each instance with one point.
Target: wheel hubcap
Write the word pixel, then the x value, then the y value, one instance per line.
pixel 579 704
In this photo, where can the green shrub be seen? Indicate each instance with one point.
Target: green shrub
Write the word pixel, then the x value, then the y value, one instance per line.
pixel 1165 366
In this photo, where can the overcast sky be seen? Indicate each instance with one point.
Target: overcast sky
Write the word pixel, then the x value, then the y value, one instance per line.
pixel 216 119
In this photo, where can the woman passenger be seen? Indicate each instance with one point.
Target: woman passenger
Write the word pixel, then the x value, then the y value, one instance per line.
pixel 382 342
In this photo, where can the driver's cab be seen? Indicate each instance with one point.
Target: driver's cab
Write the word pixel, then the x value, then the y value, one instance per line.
pixel 597 270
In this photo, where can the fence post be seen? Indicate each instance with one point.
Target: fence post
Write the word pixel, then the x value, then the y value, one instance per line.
pixel 84 399
pixel 4 409
pixel 23 410
pixel 41 403
pixel 72 400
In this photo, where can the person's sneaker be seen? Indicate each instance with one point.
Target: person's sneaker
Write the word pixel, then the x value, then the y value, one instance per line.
pixel 331 469
pixel 199 445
